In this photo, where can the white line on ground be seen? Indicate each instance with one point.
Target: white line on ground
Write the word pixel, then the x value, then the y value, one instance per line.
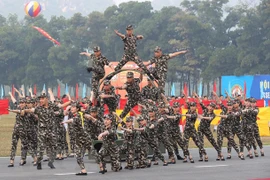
pixel 211 166
pixel 66 174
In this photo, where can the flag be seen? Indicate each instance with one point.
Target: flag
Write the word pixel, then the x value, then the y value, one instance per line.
pixel 215 87
pixel 77 92
pixel 66 89
pixel 58 91
pixel 173 90
pixel 185 89
pixel 229 89
pixel 84 91
pixel 2 92
pixel 35 89
pixel 200 89
pixel 44 88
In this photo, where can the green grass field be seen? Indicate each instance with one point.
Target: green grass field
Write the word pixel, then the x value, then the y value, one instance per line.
pixel 7 123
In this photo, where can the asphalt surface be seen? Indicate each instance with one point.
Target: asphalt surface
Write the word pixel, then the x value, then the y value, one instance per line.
pixel 233 169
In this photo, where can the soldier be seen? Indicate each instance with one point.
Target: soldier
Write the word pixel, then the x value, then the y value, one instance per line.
pixel 46 129
pixel 99 61
pixel 204 127
pixel 255 112
pixel 190 132
pixel 175 135
pixel 161 66
pixel 150 92
pixel 149 133
pixel 141 146
pixel 130 50
pixel 237 130
pixel 162 132
pixel 19 132
pixel 109 147
pixel 225 128
pixel 129 141
pixel 82 139
pixel 134 95
pixel 107 96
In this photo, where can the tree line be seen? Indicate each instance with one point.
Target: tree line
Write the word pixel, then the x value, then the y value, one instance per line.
pixel 221 41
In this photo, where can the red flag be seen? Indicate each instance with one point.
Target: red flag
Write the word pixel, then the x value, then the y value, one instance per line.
pixel 245 88
pixel 77 91
pixel 35 89
pixel 4 106
pixel 215 87
pixel 185 89
pixel 58 91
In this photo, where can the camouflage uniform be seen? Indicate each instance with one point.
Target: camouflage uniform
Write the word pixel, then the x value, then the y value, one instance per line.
pixel 130 53
pixel 150 135
pixel 190 131
pixel 225 128
pixel 109 147
pixel 134 95
pixel 254 113
pixel 82 139
pixel 141 148
pixel 160 70
pixel 111 102
pixel 151 93
pixel 98 69
pixel 204 129
pixel 60 130
pixel 46 132
pixel 128 146
pixel 71 135
pixel 19 132
pixel 175 136
pixel 238 130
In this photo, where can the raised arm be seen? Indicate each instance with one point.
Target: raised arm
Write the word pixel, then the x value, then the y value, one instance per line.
pixel 121 87
pixel 52 99
pixel 172 55
pixel 85 53
pixel 119 34
pixel 139 36
pixel 31 92
pixel 23 93
pixel 12 98
pixel 16 90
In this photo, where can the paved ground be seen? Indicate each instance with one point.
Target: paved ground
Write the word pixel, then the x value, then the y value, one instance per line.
pixel 234 169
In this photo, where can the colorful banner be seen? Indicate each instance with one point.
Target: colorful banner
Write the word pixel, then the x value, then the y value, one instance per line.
pixel 257 86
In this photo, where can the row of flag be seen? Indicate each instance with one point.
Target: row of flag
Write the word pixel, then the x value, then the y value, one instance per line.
pixel 44 89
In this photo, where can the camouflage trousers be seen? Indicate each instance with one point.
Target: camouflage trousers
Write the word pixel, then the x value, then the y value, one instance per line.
pixel 111 150
pixel 257 135
pixel 248 132
pixel 203 131
pixel 16 135
pixel 131 103
pixel 81 143
pixel 61 139
pixel 141 151
pixel 177 140
pixel 163 138
pixel 237 130
pixel 96 77
pixel 161 77
pixel 191 133
pixel 129 149
pixel 153 143
pixel 112 105
pixel 32 142
pixel 226 132
pixel 46 140
pixel 131 57
pixel 71 138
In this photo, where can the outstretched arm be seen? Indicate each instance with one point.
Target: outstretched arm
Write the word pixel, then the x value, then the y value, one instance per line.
pixel 85 53
pixel 52 99
pixel 119 34
pixel 172 55
pixel 139 36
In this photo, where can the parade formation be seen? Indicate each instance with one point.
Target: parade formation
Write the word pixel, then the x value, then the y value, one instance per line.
pixel 40 123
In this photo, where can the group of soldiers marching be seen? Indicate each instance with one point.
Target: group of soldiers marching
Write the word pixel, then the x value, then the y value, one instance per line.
pixel 40 123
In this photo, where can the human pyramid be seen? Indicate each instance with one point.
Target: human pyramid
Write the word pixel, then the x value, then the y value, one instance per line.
pixel 40 121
